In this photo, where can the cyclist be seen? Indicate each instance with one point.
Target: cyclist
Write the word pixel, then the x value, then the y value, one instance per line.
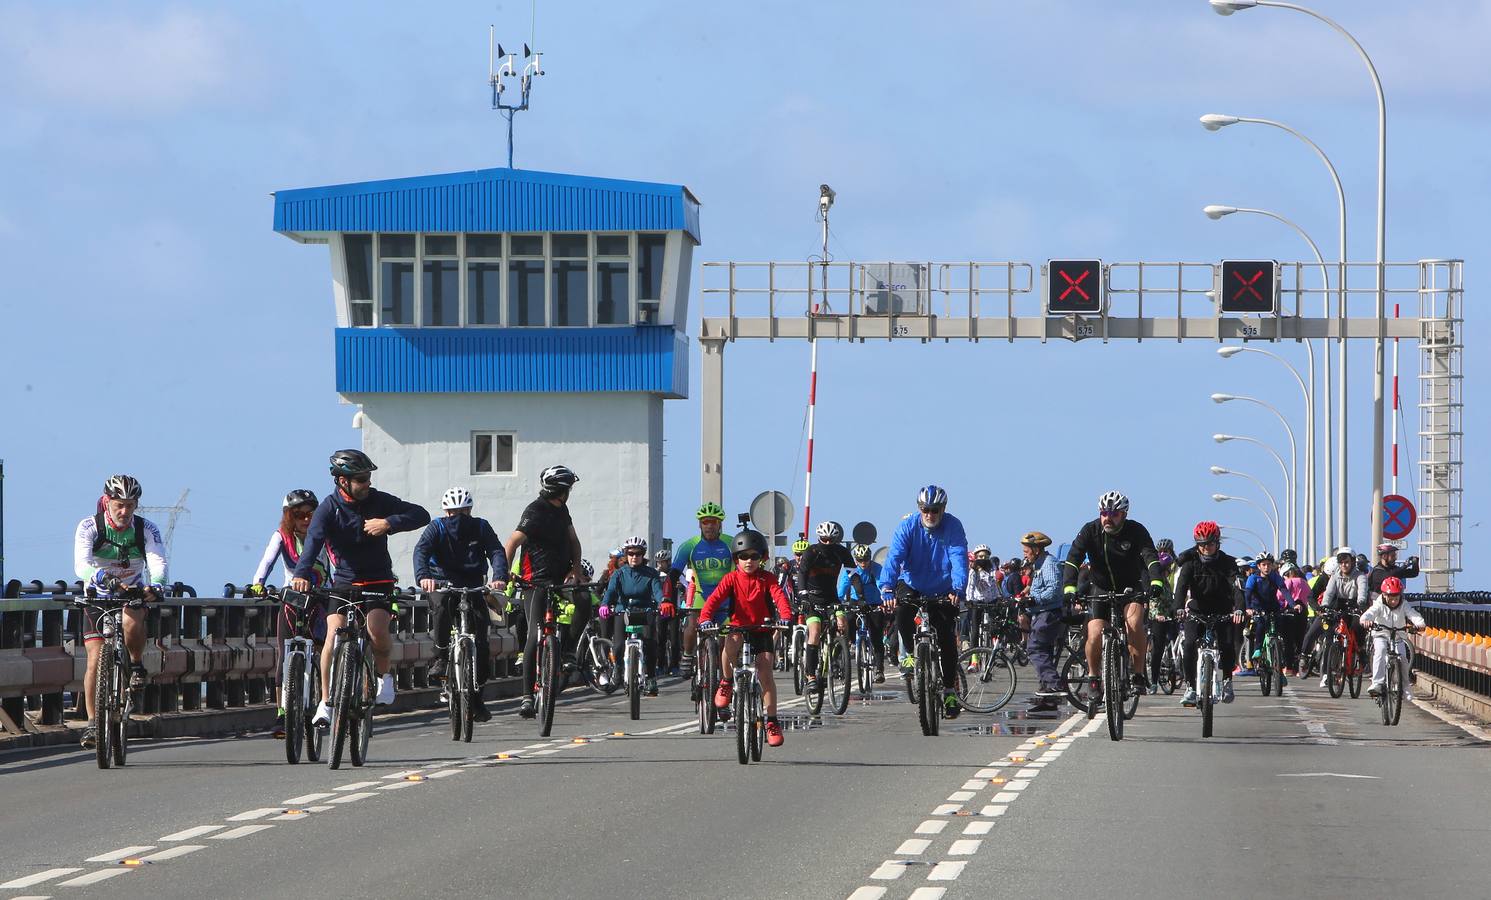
pixel 1162 622
pixel 754 596
pixel 1391 612
pixel 1047 624
pixel 1123 556
pixel 1297 600
pixel 1262 596
pixel 671 645
pixel 460 550
pixel 1387 567
pixel 354 521
pixel 857 585
pixel 985 588
pixel 286 544
pixel 115 547
pixel 706 557
pixel 817 588
pixel 636 587
pixel 551 554
pixel 928 556
pixel 1347 594
pixel 1203 584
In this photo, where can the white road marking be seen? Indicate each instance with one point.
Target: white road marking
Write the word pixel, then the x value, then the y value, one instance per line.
pixel 946 809
pixel 308 798
pixel 242 831
pixel 964 847
pixel 1006 797
pixel 1027 772
pixel 931 826
pixel 975 784
pixel 561 748
pixel 173 852
pixel 889 870
pixel 398 775
pixel 868 892
pixel 121 853
pixel 538 746
pixel 289 817
pixel 978 827
pixel 928 893
pixel 993 810
pixel 398 784
pixel 1325 775
pixel 356 786
pixel 253 814
pixel 986 773
pixel 94 877
pixel 39 877
pixel 189 833
pixel 913 847
pixel 960 796
pixel 947 870
pixel 1017 784
pixel 348 798
pixel 660 730
pixel 443 773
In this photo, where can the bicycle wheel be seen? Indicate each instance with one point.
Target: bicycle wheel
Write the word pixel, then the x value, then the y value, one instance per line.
pixel 1335 668
pixel 1074 682
pixel 362 710
pixel 598 669
pixel 548 683
pixel 314 737
pixel 294 709
pixel 341 699
pixel 758 722
pixel 707 670
pixel 926 709
pixel 1266 667
pixel 1205 701
pixel 1113 699
pixel 633 669
pixel 743 724
pixel 1354 674
pixel 986 679
pixel 799 644
pixel 838 674
pixel 1275 663
pixel 864 667
pixel 815 694
pixel 1392 696
pixel 470 693
pixel 453 692
pixel 103 705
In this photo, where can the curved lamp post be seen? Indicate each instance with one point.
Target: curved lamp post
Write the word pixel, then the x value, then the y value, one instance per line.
pixel 1304 534
pixel 1222 498
pixel 1225 398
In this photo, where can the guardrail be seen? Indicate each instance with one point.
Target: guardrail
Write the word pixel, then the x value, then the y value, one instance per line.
pixel 202 653
pixel 1456 645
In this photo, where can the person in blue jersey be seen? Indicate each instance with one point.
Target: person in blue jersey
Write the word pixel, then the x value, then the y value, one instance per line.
pixel 861 585
pixel 929 557
pixel 706 556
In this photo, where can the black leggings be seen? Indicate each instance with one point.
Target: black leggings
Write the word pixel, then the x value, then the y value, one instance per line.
pixel 535 605
pixel 1225 643
pixel 945 622
pixel 480 620
pixel 650 631
pixel 1160 636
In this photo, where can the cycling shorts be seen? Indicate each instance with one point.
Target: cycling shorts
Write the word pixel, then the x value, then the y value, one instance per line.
pixel 93 624
pixel 760 641
pixel 354 593
pixel 1098 610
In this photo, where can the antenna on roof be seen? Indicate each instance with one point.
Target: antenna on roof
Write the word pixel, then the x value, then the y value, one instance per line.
pixel 502 66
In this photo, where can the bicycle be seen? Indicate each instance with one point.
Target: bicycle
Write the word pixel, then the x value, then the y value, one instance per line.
pixel 748 700
pixel 594 661
pixel 1172 664
pixel 833 665
pixel 798 647
pixel 461 691
pixel 1270 678
pixel 1391 698
pixel 706 678
pixel 353 679
pixel 1208 669
pixel 925 683
pixel 300 679
pixel 1343 660
pixel 863 650
pixel 1119 699
pixel 986 669
pixel 112 700
pixel 547 665
pixel 631 654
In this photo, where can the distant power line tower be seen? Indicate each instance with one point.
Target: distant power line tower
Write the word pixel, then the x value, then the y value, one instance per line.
pixel 173 515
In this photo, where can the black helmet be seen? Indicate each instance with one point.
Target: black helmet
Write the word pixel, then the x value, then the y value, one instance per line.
pixel 749 541
pixel 122 487
pixel 1288 555
pixel 1165 545
pixel 351 462
pixel 300 498
pixel 556 480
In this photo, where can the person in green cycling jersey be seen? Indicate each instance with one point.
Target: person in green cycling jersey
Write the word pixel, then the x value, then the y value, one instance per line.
pixel 707 557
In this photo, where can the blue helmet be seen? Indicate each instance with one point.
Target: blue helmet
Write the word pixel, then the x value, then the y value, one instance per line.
pixel 931 499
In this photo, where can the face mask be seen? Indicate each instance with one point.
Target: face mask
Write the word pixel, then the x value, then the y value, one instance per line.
pixel 1206 557
pixel 984 564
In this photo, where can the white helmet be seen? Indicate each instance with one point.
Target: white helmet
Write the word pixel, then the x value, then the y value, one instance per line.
pixel 636 542
pixel 456 498
pixel 830 531
pixel 1113 501
pixel 982 548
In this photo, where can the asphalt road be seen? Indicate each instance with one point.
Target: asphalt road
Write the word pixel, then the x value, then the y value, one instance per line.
pixel 1299 796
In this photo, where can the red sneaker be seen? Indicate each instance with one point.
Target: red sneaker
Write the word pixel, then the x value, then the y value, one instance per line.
pixel 723 694
pixel 774 736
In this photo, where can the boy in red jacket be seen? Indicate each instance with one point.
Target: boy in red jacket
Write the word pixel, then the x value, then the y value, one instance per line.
pixel 754 592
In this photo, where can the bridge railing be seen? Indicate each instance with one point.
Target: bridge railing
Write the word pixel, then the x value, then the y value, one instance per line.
pixel 1456 645
pixel 202 653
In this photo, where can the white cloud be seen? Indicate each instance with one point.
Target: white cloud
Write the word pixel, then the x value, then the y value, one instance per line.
pixel 113 63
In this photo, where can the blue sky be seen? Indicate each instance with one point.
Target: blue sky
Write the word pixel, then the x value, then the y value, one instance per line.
pixel 155 324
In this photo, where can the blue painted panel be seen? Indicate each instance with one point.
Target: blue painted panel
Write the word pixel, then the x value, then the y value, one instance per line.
pixel 490 200
pixel 651 358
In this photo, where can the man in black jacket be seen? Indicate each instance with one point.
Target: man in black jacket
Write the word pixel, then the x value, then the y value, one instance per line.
pixel 818 589
pixel 1203 585
pixel 1387 567
pixel 355 520
pixel 460 549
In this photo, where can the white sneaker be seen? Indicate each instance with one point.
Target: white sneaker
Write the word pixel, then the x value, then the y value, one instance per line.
pixel 322 718
pixel 1408 696
pixel 1325 681
pixel 385 691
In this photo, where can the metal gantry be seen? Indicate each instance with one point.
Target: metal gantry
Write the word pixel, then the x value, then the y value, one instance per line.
pixel 1179 301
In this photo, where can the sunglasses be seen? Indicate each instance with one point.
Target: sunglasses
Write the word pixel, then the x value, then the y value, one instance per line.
pixel 304 515
pixel 1110 513
pixel 636 553
pixel 1209 544
pixel 749 556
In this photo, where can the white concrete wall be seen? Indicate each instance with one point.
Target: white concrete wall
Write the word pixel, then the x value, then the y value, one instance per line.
pixel 422 445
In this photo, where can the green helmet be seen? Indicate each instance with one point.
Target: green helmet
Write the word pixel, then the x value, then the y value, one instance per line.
pixel 710 510
pixel 799 546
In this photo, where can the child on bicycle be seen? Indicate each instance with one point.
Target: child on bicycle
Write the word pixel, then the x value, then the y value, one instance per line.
pixel 755 592
pixel 1390 612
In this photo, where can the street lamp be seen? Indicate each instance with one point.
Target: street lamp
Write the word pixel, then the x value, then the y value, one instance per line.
pixel 1309 512
pixel 1222 498
pixel 1262 541
pixel 1283 469
pixel 1227 8
pixel 1219 470
pixel 1216 122
pixel 1224 398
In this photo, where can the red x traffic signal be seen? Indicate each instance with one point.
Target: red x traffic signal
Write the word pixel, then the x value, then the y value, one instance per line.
pixel 1074 286
pixel 1250 286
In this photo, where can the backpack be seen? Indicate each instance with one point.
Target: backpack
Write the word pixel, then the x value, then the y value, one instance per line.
pixel 101 537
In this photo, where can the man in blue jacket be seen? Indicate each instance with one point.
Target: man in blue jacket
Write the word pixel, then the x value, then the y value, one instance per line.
pixel 1261 593
pixel 355 520
pixel 1048 623
pixel 861 585
pixel 928 558
pixel 459 549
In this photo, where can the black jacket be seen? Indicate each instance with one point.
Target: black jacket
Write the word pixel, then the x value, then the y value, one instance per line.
pixel 1204 586
pixel 459 550
pixel 359 557
pixel 1381 573
pixel 819 570
pixel 1123 560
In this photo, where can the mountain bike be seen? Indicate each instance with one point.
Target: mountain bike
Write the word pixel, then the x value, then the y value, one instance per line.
pixel 863 650
pixel 1391 699
pixel 594 660
pixel 1208 669
pixel 833 664
pixel 548 668
pixel 300 678
pixel 1270 656
pixel 354 681
pixel 798 653
pixel 1172 664
pixel 926 673
pixel 1119 698
pixel 461 691
pixel 1343 659
pixel 634 624
pixel 706 679
pixel 112 699
pixel 749 702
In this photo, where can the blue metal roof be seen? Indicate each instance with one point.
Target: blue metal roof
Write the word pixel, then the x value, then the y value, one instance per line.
pixel 649 358
pixel 489 200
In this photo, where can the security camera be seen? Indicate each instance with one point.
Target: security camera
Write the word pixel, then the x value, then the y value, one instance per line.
pixel 825 196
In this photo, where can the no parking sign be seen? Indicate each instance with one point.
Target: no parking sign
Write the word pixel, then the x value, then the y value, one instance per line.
pixel 1398 517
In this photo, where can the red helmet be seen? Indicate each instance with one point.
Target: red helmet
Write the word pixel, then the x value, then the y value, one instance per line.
pixel 1207 531
pixel 1392 585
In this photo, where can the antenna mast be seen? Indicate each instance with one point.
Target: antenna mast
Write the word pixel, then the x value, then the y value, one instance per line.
pixel 173 515
pixel 502 65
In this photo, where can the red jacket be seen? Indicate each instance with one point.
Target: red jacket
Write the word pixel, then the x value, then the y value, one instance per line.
pixel 753 596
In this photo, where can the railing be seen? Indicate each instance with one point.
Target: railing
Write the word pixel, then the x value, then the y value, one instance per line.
pixel 1456 645
pixel 202 654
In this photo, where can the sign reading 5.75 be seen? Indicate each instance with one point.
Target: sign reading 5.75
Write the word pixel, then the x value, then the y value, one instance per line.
pixel 1074 287
pixel 1250 286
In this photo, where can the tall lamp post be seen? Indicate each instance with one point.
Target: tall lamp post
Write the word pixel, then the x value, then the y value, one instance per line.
pixel 1262 541
pixel 1220 470
pixel 1223 498
pixel 1227 8
pixel 1216 122
pixel 1283 469
pixel 1226 398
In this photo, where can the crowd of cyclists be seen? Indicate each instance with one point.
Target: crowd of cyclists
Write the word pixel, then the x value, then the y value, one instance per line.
pixel 334 550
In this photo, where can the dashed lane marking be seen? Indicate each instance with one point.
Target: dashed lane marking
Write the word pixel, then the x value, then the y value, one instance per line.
pixel 913 846
pixel 172 852
pixel 963 847
pixel 889 870
pixel 260 813
pixel 947 870
pixel 187 834
pixel 931 826
pixel 443 773
pixel 356 786
pixel 234 834
pixel 978 827
pixel 928 893
pixel 308 798
pixel 868 892
pixel 39 877
pixel 121 853
pixel 94 877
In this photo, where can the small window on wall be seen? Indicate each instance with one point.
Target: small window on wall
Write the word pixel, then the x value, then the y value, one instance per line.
pixel 571 270
pixel 491 453
pixel 440 292
pixel 613 278
pixel 396 278
pixel 483 279
pixel 525 280
pixel 358 250
pixel 650 253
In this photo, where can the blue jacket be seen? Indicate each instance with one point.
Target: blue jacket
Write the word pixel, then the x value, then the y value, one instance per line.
pixel 1261 594
pixel 460 550
pixel 930 562
pixel 1045 582
pixel 359 557
pixel 634 587
pixel 869 576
